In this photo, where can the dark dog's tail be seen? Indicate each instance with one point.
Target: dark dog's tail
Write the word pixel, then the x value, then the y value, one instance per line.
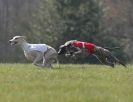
pixel 112 48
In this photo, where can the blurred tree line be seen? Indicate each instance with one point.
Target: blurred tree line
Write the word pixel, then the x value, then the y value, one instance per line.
pixel 55 21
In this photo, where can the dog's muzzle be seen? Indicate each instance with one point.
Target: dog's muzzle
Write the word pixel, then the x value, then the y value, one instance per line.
pixel 62 50
pixel 13 42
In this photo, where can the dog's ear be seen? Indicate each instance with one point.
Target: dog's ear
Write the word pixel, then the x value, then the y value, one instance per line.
pixel 62 46
pixel 24 37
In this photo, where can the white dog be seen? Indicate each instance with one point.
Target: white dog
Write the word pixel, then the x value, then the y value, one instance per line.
pixel 42 55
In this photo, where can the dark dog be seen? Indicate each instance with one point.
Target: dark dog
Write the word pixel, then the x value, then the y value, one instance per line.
pixel 71 48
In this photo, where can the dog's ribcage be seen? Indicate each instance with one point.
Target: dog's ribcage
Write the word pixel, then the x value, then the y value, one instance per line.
pixel 32 49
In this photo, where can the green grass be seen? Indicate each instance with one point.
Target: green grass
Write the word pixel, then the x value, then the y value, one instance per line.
pixel 69 83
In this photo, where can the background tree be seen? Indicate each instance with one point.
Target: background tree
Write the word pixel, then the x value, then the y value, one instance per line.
pixel 83 21
pixel 104 22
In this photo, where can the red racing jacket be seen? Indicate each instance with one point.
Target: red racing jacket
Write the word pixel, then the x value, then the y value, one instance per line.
pixel 89 46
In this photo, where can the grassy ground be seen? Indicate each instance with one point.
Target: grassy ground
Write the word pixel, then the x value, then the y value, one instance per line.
pixel 69 83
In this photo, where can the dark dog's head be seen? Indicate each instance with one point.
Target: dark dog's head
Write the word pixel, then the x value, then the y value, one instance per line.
pixel 62 50
pixel 66 50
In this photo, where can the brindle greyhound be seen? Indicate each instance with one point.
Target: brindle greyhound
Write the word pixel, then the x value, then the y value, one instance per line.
pixel 73 47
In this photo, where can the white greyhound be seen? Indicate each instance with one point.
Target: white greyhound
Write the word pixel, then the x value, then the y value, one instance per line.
pixel 42 55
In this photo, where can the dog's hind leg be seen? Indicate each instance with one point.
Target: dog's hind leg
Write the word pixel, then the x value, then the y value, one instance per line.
pixel 49 63
pixel 52 59
pixel 37 59
pixel 119 61
pixel 101 55
pixel 114 59
pixel 104 61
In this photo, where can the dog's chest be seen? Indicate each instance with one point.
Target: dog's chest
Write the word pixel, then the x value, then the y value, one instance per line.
pixel 30 55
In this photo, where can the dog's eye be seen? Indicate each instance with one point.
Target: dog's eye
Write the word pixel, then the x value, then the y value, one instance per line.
pixel 16 38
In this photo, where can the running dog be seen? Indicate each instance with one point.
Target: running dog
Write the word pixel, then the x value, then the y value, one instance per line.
pixel 42 55
pixel 73 47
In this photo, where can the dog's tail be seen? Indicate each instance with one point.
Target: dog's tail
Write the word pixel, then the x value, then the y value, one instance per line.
pixel 114 48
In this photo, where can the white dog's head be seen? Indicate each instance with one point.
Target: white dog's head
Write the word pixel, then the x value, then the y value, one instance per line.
pixel 17 40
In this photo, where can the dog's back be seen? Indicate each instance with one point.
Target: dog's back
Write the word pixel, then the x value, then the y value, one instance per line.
pixel 38 47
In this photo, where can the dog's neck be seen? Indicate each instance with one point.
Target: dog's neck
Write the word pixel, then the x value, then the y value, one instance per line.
pixel 25 46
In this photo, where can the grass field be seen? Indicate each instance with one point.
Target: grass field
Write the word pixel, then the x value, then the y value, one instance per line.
pixel 69 83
